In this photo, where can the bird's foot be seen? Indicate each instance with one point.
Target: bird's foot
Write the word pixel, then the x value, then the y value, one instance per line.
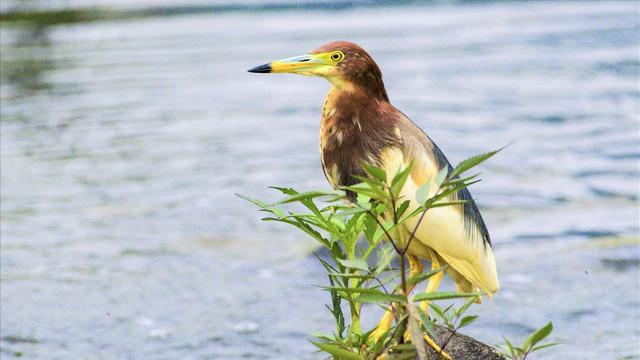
pixel 433 345
pixel 436 347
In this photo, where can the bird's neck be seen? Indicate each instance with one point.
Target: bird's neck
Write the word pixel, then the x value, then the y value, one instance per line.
pixel 349 103
pixel 365 87
pixel 355 128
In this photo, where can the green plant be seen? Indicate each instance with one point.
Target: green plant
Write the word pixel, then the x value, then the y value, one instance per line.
pixel 361 272
pixel 529 346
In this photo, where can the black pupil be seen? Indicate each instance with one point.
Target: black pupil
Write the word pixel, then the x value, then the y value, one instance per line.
pixel 336 56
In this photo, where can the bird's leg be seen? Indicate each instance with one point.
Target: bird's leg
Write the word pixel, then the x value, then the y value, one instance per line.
pixel 415 267
pixel 432 286
pixel 434 280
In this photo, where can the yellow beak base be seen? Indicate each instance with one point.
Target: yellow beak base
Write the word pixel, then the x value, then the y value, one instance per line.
pixel 297 64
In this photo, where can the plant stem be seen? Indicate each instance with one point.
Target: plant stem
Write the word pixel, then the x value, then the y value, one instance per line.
pixel 403 277
pixel 385 231
pixel 355 318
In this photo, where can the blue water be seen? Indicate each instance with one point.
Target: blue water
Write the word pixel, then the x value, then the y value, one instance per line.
pixel 124 141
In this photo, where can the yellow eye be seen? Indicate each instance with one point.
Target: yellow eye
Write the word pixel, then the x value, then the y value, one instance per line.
pixel 337 56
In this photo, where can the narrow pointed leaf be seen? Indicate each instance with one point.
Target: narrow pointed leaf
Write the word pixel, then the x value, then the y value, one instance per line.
pixel 427 324
pixel 373 183
pixel 376 172
pixel 336 350
pixel 468 320
pixel 322 336
pixel 362 199
pixel 447 203
pixel 402 208
pixel 359 264
pixel 417 278
pixel 355 290
pixel 352 276
pixel 452 182
pixel 400 329
pixel 543 346
pixel 471 300
pixel 442 175
pixel 400 179
pixel 309 195
pixel 381 298
pixel 435 307
pixel 351 211
pixel 440 295
pixel 422 194
pixel 452 190
pixel 473 161
pixel 538 335
pixel 415 331
pixel 366 189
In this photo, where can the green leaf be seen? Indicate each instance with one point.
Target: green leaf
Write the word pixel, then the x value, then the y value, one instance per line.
pixel 538 335
pixel 359 264
pixel 468 320
pixel 543 346
pixel 380 231
pixel 447 203
pixel 400 179
pixel 381 297
pixel 403 347
pixel 366 189
pixel 473 161
pixel 379 344
pixel 354 290
pixel 442 175
pixel 373 183
pixel 402 208
pixel 351 276
pixel 363 199
pixel 441 295
pixel 436 308
pixel 336 350
pixel 512 349
pixel 385 255
pixel 326 265
pixel 452 182
pixel 322 336
pixel 415 331
pixel 265 207
pixel 427 324
pixel 370 227
pixel 286 191
pixel 453 190
pixel 417 278
pixel 376 172
pixel 310 195
pixel 304 227
pixel 422 194
pixel 400 329
pixel 471 300
pixel 351 211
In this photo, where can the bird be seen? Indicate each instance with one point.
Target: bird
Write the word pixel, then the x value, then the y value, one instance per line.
pixel 360 126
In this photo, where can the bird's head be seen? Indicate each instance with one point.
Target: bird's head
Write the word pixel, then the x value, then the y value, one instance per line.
pixel 346 65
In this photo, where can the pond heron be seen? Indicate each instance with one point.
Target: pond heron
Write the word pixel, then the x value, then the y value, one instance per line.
pixel 359 125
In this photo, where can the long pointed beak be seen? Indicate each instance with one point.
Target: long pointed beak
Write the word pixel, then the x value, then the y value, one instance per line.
pixel 297 64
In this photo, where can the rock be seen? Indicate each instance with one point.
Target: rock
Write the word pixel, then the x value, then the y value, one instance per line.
pixel 460 347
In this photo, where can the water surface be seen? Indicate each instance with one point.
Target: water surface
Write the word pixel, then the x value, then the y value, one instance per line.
pixel 124 141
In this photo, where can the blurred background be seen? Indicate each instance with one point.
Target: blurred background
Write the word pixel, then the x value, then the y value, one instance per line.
pixel 128 126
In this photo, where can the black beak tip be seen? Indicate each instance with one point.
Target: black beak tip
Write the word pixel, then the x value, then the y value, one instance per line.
pixel 266 68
